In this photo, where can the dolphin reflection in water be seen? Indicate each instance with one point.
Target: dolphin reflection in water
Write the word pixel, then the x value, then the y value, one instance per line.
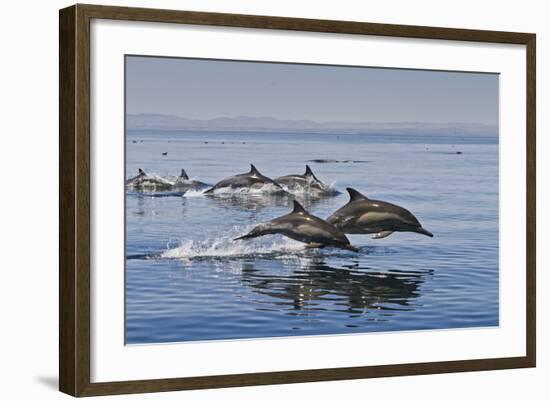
pixel 349 288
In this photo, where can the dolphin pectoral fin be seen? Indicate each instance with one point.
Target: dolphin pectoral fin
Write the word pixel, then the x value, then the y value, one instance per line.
pixel 314 245
pixel 382 234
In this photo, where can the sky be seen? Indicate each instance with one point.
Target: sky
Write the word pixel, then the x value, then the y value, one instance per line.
pixel 206 89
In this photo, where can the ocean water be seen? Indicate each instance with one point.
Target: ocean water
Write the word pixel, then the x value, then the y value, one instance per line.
pixel 186 280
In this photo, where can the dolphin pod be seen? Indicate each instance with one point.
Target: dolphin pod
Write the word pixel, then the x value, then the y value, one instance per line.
pixel 304 227
pixel 362 215
pixel 251 182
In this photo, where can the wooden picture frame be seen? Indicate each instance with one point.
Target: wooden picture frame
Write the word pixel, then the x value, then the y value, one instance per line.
pixel 75 207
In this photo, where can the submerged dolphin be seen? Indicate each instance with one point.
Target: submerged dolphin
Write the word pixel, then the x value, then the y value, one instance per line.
pixel 302 226
pixel 183 182
pixel 144 181
pixel 253 180
pixel 362 215
pixel 306 182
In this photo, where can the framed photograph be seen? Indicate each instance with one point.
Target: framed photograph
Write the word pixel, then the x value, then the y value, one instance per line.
pixel 250 200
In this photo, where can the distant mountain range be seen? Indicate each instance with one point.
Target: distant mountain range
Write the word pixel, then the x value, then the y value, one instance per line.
pixel 270 124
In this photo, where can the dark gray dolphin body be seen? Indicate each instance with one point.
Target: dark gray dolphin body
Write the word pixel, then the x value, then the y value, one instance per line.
pixel 184 183
pixel 146 182
pixel 304 227
pixel 362 215
pixel 307 183
pixel 251 181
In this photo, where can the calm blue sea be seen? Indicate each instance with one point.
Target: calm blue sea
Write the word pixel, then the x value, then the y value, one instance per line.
pixel 187 280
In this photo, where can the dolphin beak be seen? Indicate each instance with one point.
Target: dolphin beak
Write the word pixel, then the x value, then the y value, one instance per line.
pixel 421 230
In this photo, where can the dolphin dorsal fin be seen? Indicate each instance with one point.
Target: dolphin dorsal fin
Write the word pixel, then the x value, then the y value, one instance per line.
pixel 308 172
pixel 141 172
pixel 184 175
pixel 254 170
pixel 355 195
pixel 298 208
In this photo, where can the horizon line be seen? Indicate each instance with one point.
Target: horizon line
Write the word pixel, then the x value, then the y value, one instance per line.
pixel 311 120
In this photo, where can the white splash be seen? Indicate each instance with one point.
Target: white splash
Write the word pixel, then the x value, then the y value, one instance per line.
pixel 309 189
pixel 224 246
pixel 254 190
pixel 194 193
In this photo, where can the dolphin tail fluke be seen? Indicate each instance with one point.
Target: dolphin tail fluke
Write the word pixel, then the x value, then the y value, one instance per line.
pixel 423 231
pixel 252 234
pixel 246 236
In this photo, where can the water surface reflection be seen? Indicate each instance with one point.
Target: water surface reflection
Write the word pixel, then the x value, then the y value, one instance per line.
pixel 352 289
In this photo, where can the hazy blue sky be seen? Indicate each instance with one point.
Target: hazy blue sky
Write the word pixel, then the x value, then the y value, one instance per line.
pixel 207 89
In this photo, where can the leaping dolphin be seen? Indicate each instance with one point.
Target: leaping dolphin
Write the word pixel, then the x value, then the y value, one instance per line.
pixel 183 182
pixel 362 215
pixel 144 181
pixel 306 182
pixel 304 227
pixel 246 182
